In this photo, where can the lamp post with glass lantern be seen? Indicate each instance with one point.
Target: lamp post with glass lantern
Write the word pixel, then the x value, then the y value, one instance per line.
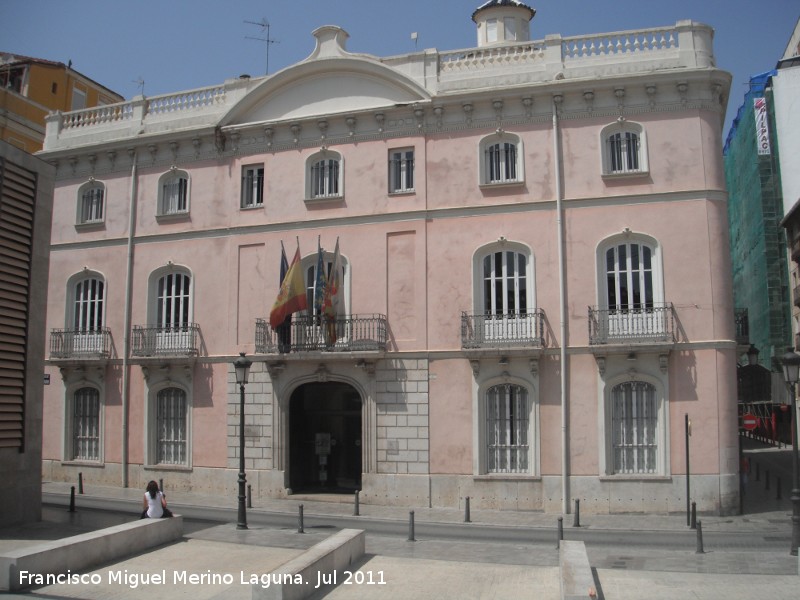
pixel 242 367
pixel 791 373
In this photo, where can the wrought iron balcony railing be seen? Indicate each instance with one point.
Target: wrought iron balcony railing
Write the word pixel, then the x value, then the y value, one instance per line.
pixel 75 343
pixel 180 340
pixel 502 330
pixel 742 327
pixel 349 333
pixel 654 323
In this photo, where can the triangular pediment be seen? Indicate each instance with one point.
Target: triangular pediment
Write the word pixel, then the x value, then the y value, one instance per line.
pixel 328 82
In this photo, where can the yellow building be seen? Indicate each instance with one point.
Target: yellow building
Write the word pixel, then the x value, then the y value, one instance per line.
pixel 30 88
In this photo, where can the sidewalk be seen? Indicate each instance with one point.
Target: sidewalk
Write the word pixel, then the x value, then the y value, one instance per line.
pixel 396 568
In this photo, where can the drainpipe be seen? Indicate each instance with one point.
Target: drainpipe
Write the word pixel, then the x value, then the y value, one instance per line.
pixel 562 297
pixel 126 345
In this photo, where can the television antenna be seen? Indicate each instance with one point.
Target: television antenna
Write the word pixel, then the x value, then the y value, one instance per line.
pixel 140 84
pixel 264 24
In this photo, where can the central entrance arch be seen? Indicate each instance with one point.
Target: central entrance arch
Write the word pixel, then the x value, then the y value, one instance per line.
pixel 325 445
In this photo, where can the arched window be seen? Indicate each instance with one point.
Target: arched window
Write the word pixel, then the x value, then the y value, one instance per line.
pixel 507 429
pixel 325 175
pixel 634 428
pixel 85 332
pixel 310 266
pixel 91 203
pixel 501 159
pixel 624 149
pixel 173 193
pixel 171 427
pixel 173 300
pixel 85 425
pixel 504 302
pixel 631 297
pixel 88 307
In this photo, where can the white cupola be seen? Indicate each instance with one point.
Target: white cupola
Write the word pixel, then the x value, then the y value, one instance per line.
pixel 503 21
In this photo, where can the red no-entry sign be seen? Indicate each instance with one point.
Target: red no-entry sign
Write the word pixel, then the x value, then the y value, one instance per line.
pixel 749 421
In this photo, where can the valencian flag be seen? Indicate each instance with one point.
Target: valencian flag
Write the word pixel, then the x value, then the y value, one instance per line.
pixel 292 295
pixel 332 301
pixel 284 330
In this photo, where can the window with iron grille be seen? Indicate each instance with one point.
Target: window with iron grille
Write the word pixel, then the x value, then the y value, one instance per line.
pixel 174 194
pixel 86 424
pixel 325 178
pixel 507 420
pixel 401 170
pixel 634 425
pixel 624 149
pixel 252 186
pixel 91 207
pixel 501 159
pixel 171 427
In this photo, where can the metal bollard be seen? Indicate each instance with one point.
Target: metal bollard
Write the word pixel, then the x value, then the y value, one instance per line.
pixel 411 527
pixel 766 479
pixel 356 510
pixel 560 532
pixel 80 483
pixel 778 489
pixel 466 510
pixel 249 496
pixel 576 520
pixel 694 515
pixel 72 499
pixel 699 538
pixel 300 528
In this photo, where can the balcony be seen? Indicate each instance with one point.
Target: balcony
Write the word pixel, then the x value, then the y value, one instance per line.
pixel 353 333
pixel 502 330
pixel 149 341
pixel 655 324
pixel 73 344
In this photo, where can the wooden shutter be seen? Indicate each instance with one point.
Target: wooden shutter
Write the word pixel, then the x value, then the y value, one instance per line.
pixel 17 198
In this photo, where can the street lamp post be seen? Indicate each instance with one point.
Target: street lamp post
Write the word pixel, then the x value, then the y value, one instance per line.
pixel 242 367
pixel 791 373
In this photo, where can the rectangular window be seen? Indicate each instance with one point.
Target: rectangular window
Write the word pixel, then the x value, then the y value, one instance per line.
pixel 325 178
pixel 401 171
pixel 623 152
pixel 507 429
pixel 510 25
pixel 78 98
pixel 491 30
pixel 171 427
pixel 86 425
pixel 634 423
pixel 501 162
pixel 252 187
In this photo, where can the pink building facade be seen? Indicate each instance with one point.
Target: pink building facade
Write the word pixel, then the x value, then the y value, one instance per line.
pixel 535 269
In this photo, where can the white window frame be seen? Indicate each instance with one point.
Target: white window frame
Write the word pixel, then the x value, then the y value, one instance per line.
pixel 162 304
pixel 500 324
pixel 615 141
pixel 324 176
pixel 496 167
pixel 79 94
pixel 173 194
pixel 481 422
pixel 85 312
pixel 252 186
pixel 309 269
pixel 507 430
pixel 401 170
pixel 95 427
pixel 617 374
pixel 491 31
pixel 626 318
pixel 91 203
pixel 510 33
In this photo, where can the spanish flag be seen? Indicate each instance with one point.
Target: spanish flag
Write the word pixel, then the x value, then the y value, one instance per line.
pixel 292 295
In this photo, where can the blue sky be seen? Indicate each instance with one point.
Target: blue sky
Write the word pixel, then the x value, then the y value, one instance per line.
pixel 175 45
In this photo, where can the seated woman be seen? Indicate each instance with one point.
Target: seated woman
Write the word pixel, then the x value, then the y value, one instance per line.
pixel 154 503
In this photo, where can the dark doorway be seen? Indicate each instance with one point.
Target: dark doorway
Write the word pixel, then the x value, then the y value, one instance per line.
pixel 325 438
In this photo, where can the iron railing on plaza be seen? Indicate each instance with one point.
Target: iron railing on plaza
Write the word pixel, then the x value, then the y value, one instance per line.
pixel 655 323
pixel 502 330
pixel 306 333
pixel 75 343
pixel 180 340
